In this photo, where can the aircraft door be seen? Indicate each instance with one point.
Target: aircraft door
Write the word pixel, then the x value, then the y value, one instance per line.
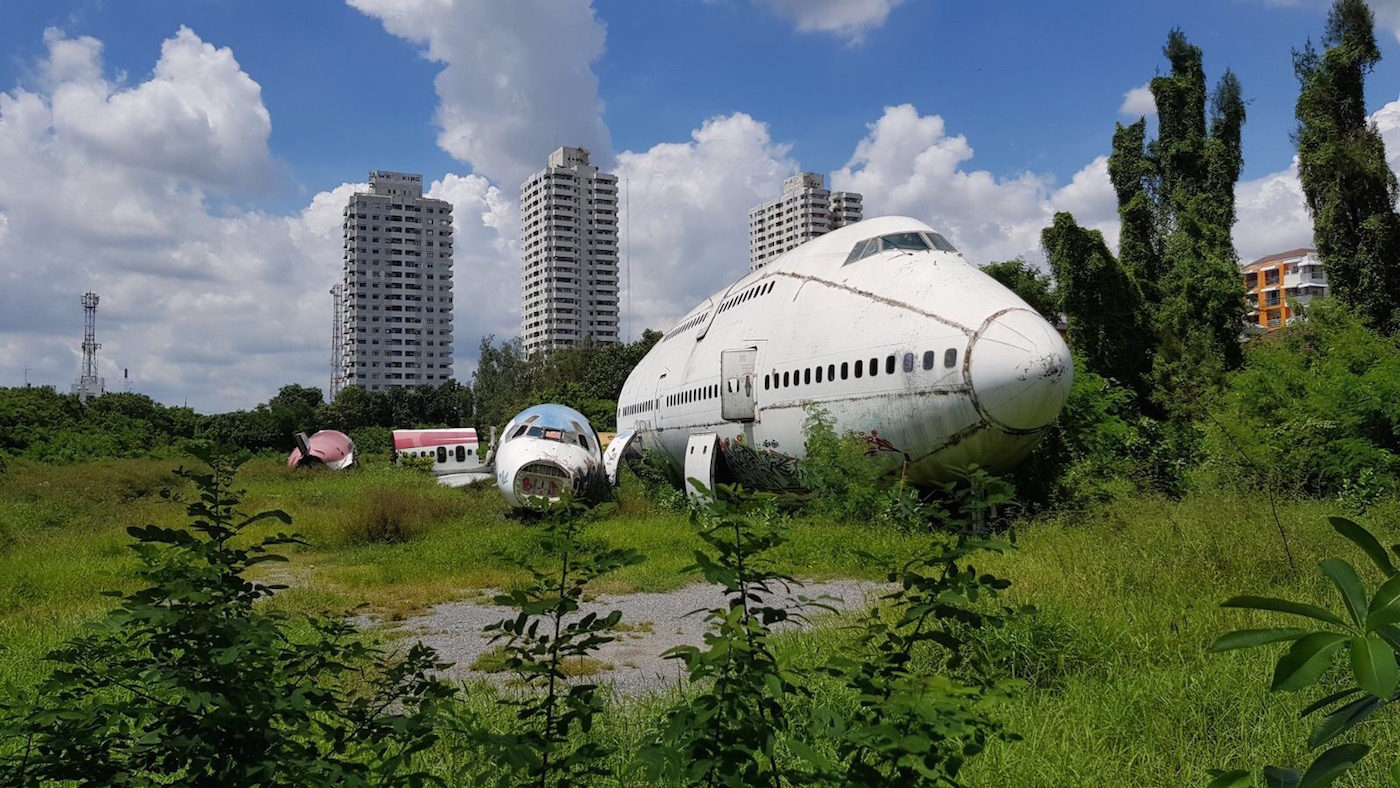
pixel 738 386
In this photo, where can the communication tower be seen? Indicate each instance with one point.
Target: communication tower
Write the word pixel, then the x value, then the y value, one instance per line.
pixel 89 384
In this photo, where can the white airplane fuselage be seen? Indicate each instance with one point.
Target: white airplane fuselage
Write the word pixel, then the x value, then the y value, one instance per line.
pixel 933 363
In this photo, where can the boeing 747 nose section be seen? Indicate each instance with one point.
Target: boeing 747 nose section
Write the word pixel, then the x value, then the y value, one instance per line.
pixel 1020 371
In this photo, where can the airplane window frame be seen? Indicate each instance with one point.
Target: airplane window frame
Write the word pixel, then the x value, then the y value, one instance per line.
pixel 807 376
pixel 830 373
pixel 874 367
pixel 889 364
pixel 859 370
pixel 785 380
pixel 950 358
pixel 908 363
pixel 930 360
pixel 819 373
pixel 845 369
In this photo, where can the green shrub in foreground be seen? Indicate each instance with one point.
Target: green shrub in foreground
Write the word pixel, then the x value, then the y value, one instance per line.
pixel 1369 633
pixel 189 682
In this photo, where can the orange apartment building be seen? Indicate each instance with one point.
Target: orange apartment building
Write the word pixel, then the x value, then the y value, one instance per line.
pixel 1274 280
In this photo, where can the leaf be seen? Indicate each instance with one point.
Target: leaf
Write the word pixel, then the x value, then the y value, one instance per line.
pixel 1342 719
pixel 1348 584
pixel 1275 777
pixel 1238 778
pixel 1309 658
pixel 1284 606
pixel 1332 764
pixel 1385 605
pixel 1365 540
pixel 1250 638
pixel 1373 664
pixel 1327 701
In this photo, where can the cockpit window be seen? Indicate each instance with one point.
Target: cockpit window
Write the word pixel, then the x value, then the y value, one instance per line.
pixel 939 242
pixel 913 242
pixel 908 242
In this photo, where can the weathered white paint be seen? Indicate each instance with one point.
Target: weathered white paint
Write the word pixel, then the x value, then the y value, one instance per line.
pixel 809 312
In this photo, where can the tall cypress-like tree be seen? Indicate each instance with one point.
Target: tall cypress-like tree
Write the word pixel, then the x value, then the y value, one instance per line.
pixel 1108 328
pixel 1176 203
pixel 1350 189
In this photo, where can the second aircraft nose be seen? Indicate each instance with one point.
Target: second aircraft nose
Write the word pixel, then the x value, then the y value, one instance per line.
pixel 1020 371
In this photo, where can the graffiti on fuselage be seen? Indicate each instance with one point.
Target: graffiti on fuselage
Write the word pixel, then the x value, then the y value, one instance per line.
pixel 760 468
pixel 876 444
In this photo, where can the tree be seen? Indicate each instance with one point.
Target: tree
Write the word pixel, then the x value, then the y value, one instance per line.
pixel 1350 189
pixel 1034 286
pixel 1108 328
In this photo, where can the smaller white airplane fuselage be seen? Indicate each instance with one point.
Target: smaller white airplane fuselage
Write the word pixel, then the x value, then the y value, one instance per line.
pixel 545 451
pixel 882 325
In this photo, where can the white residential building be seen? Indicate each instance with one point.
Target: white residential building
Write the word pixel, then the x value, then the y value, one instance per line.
pixel 805 211
pixel 393 307
pixel 568 237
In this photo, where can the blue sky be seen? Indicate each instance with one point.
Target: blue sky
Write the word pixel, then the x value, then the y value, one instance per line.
pixel 1010 108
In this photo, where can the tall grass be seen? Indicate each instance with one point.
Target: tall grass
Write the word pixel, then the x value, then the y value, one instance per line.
pixel 1121 690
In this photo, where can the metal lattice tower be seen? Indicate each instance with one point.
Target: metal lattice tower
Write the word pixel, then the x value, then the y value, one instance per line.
pixel 337 339
pixel 89 383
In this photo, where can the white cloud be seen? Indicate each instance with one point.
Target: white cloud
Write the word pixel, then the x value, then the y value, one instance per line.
pixel 848 19
pixel 908 164
pixel 105 188
pixel 1138 102
pixel 517 78
pixel 687 214
pixel 486 265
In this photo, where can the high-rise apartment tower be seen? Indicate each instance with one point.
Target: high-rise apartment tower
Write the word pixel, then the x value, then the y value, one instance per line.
pixel 806 210
pixel 393 306
pixel 568 236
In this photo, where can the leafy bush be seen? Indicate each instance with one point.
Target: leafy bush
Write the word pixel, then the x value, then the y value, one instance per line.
pixel 1102 448
pixel 846 484
pixel 1367 629
pixel 545 644
pixel 1316 406
pixel 190 682
pixel 730 733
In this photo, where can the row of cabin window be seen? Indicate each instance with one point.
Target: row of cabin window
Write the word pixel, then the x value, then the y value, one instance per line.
pixel 752 292
pixel 689 324
pixel 640 407
pixel 803 377
pixel 694 395
pixel 459 453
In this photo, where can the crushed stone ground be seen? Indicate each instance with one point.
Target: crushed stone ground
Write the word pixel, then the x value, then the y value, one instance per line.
pixel 654 622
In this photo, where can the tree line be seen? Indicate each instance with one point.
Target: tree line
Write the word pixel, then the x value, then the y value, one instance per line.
pixel 40 423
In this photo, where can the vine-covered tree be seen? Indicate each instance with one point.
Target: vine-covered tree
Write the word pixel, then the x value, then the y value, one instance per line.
pixel 1350 189
pixel 1034 286
pixel 1108 327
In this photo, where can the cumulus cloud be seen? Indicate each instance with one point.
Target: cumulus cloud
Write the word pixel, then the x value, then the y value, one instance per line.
pixel 105 188
pixel 1138 102
pixel 486 264
pixel 686 214
pixel 909 164
pixel 517 78
pixel 848 19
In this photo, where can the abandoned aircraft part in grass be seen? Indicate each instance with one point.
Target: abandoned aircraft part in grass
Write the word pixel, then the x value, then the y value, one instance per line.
pixel 329 448
pixel 883 325
pixel 546 450
pixel 457 454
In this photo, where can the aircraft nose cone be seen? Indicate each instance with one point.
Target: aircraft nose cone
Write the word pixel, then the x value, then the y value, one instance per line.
pixel 1020 371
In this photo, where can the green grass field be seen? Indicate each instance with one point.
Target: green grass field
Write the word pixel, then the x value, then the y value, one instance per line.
pixel 1120 688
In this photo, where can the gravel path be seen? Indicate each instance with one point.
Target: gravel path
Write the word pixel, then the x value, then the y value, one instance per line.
pixel 652 624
